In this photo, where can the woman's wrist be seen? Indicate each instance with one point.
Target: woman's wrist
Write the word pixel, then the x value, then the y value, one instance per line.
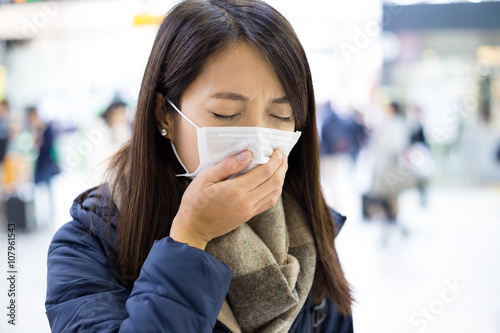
pixel 182 235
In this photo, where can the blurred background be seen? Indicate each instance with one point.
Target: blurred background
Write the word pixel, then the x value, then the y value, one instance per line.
pixel 408 106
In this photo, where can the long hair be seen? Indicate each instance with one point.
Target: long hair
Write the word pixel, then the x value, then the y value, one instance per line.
pixel 144 170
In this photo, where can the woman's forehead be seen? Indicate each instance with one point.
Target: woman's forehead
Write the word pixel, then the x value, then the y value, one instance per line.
pixel 240 70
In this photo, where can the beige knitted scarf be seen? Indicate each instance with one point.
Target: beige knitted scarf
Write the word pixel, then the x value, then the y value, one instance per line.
pixel 273 259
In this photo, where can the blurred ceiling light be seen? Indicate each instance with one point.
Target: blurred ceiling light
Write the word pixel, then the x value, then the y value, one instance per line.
pixel 489 54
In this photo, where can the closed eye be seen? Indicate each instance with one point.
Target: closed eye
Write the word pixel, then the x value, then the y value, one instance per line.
pixel 225 118
pixel 283 119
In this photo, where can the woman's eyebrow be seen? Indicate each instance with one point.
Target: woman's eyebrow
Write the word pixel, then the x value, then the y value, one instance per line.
pixel 238 97
pixel 230 96
pixel 280 100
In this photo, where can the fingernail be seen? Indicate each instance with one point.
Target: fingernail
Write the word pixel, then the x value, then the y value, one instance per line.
pixel 285 158
pixel 243 155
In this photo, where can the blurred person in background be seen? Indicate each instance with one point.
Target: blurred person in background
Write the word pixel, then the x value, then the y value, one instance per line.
pixel 4 129
pixel 177 243
pixel 336 145
pixel 335 134
pixel 113 131
pixel 357 133
pixel 116 118
pixel 417 139
pixel 46 165
pixel 417 134
pixel 4 140
pixel 388 144
pixel 497 153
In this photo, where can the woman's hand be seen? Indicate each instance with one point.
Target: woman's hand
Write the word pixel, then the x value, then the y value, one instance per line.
pixel 213 205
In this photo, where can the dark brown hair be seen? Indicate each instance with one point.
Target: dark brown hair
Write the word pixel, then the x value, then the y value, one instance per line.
pixel 144 170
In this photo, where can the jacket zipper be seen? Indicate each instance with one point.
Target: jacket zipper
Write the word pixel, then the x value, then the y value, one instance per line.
pixel 294 326
pixel 222 326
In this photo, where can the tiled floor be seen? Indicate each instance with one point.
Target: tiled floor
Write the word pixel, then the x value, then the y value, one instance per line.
pixel 442 277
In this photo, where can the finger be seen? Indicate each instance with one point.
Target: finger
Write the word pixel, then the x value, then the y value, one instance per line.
pixel 230 166
pixel 270 185
pixel 260 174
pixel 268 201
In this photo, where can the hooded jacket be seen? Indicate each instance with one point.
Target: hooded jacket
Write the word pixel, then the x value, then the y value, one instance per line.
pixel 179 289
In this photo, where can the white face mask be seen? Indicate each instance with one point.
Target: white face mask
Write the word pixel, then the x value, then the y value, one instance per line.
pixel 215 144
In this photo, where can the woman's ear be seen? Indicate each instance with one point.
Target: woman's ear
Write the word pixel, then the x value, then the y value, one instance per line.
pixel 164 120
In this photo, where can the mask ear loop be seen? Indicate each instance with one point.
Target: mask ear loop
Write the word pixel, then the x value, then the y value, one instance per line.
pixel 187 174
pixel 182 114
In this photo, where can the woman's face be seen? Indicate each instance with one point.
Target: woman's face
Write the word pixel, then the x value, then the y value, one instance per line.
pixel 238 87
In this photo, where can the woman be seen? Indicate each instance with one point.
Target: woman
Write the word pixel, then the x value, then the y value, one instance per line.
pixel 224 252
pixel 390 176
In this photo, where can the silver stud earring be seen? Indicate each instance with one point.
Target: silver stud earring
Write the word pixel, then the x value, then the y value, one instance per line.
pixel 164 132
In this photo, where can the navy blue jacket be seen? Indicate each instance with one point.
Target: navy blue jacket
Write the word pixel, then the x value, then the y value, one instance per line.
pixel 179 289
